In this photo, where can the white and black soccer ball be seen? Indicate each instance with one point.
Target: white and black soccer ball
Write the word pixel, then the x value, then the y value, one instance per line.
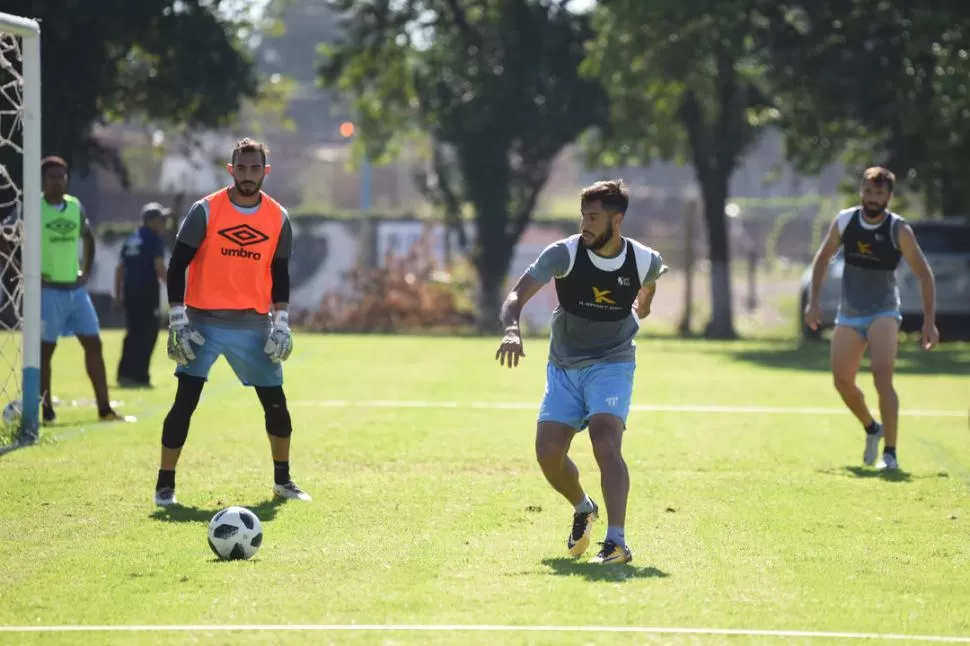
pixel 235 533
pixel 12 412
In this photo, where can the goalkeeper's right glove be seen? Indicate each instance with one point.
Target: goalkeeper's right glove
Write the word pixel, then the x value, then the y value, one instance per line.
pixel 181 336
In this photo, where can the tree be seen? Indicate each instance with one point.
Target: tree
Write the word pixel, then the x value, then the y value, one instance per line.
pixel 495 83
pixel 684 78
pixel 900 99
pixel 170 60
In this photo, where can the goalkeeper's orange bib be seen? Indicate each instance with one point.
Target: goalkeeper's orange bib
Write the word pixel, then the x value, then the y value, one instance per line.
pixel 231 269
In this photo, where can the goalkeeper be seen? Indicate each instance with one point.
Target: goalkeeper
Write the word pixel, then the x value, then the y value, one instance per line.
pixel 233 301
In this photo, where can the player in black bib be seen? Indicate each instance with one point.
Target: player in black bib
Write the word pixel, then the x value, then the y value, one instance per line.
pixel 873 240
pixel 605 284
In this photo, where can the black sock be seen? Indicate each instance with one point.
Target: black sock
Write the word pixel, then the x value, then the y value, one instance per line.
pixel 281 472
pixel 889 450
pixel 873 428
pixel 166 479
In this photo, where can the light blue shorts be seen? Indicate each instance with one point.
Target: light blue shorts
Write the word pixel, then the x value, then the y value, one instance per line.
pixel 861 324
pixel 67 312
pixel 573 395
pixel 243 349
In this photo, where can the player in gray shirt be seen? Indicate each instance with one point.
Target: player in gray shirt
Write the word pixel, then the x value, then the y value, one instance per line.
pixel 873 240
pixel 605 284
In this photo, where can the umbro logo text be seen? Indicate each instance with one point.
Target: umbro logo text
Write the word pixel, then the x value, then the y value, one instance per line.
pixel 241 253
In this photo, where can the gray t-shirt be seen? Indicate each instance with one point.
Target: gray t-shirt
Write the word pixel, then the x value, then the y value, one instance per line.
pixel 192 232
pixel 12 230
pixel 868 291
pixel 577 342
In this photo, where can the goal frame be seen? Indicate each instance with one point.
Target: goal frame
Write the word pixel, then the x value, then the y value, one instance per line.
pixel 29 33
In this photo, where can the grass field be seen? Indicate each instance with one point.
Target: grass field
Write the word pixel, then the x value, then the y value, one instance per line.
pixel 750 508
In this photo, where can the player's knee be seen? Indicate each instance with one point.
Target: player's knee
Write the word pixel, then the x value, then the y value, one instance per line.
pixel 549 454
pixel 175 429
pixel 843 382
pixel 882 377
pixel 90 343
pixel 606 450
pixel 606 435
pixel 278 422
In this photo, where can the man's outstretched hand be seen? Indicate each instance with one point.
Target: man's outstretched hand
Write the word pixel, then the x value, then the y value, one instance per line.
pixel 511 348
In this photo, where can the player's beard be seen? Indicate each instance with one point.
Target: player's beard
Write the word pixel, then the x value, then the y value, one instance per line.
pixel 248 189
pixel 873 209
pixel 600 241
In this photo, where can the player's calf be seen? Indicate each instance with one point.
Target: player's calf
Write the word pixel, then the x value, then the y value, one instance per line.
pixel 175 430
pixel 279 427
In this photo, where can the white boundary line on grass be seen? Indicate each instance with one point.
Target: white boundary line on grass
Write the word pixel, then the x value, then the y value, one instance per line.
pixel 739 410
pixel 744 632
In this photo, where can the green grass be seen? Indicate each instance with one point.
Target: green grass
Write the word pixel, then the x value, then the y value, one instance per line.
pixel 440 516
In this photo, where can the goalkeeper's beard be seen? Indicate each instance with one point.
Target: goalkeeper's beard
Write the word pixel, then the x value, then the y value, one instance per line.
pixel 248 189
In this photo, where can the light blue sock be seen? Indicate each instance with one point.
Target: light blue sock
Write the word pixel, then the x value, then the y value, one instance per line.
pixel 584 507
pixel 615 534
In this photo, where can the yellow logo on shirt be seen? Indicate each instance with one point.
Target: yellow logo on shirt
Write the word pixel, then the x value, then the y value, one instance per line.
pixel 603 296
pixel 865 248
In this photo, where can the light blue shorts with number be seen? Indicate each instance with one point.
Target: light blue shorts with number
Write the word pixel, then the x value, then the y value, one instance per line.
pixel 573 395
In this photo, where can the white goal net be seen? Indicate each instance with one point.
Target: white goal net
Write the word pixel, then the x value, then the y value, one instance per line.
pixel 19 232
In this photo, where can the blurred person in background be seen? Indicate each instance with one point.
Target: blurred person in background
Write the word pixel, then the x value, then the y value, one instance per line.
pixel 140 268
pixel 873 240
pixel 66 307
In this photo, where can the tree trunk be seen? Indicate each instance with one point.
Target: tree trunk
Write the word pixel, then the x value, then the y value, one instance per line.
pixel 713 166
pixel 493 255
pixel 721 325
pixel 489 302
pixel 487 184
pixel 690 219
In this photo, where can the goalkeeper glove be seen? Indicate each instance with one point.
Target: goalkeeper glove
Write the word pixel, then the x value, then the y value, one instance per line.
pixel 279 345
pixel 181 336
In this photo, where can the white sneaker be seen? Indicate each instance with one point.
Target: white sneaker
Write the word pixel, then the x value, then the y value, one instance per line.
pixel 872 446
pixel 165 497
pixel 291 491
pixel 889 463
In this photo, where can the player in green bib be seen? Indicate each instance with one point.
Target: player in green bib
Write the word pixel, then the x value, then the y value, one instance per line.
pixel 66 307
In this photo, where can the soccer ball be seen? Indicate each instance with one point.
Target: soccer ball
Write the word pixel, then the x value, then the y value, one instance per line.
pixel 12 412
pixel 235 533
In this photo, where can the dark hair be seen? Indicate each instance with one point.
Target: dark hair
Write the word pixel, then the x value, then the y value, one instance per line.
pixel 612 194
pixel 247 145
pixel 52 161
pixel 880 177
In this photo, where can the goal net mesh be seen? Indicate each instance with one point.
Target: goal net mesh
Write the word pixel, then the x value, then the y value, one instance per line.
pixel 11 222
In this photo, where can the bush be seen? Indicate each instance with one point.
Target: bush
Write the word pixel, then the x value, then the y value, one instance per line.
pixel 408 293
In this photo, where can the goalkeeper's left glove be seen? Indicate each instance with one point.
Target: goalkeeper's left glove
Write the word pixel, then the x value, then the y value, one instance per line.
pixel 279 345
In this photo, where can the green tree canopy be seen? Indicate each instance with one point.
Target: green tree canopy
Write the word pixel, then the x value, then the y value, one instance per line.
pixel 496 85
pixel 886 83
pixel 685 79
pixel 178 61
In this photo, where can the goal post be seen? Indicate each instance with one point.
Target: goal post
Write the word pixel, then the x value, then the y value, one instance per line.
pixel 20 114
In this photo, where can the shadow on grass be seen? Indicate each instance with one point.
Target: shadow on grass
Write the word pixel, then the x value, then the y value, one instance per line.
pixel 897 475
pixel 564 566
pixel 266 510
pixel 954 359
